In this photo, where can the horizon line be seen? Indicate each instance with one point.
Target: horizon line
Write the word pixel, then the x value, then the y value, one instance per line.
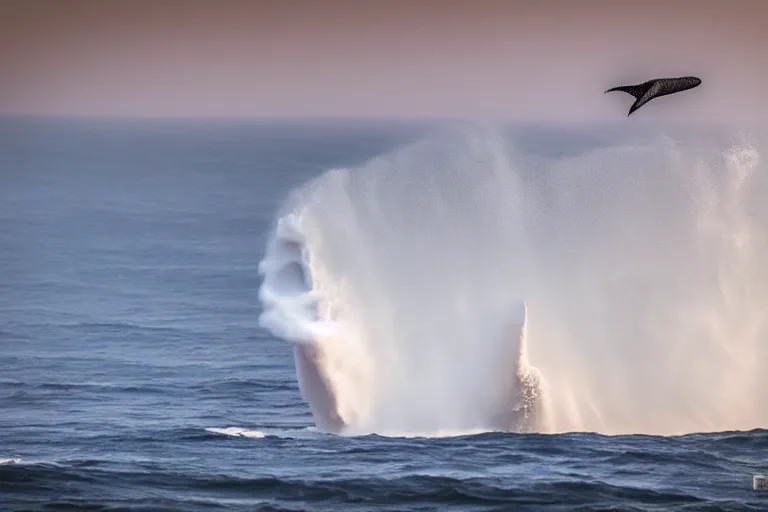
pixel 362 118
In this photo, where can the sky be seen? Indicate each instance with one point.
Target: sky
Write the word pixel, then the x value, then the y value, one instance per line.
pixel 543 60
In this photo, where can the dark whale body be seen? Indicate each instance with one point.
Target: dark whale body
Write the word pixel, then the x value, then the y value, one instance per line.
pixel 646 91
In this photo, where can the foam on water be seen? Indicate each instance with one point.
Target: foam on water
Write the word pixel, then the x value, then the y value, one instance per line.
pixel 641 267
pixel 282 433
pixel 236 432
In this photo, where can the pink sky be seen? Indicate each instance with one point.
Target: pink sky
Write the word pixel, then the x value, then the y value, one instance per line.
pixel 548 60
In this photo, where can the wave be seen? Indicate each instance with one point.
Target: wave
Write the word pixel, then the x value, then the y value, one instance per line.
pixel 540 472
pixel 463 284
pixel 206 491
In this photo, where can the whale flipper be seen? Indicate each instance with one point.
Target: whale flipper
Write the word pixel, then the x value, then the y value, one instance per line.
pixel 646 91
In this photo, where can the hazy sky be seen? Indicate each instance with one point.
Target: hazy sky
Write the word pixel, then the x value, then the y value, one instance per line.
pixel 505 59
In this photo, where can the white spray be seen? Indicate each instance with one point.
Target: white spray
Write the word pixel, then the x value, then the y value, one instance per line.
pixel 640 266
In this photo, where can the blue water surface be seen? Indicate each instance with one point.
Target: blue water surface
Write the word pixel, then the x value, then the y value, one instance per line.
pixel 129 340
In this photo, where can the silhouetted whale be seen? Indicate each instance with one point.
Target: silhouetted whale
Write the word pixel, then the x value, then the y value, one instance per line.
pixel 646 91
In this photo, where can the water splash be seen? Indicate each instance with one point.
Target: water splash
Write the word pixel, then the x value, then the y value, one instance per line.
pixel 403 286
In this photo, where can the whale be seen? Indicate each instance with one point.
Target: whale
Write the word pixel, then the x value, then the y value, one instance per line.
pixel 655 88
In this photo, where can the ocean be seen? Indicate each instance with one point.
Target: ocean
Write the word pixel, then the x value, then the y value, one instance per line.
pixel 149 321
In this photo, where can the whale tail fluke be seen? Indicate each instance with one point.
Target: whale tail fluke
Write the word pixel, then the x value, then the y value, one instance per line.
pixel 638 91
